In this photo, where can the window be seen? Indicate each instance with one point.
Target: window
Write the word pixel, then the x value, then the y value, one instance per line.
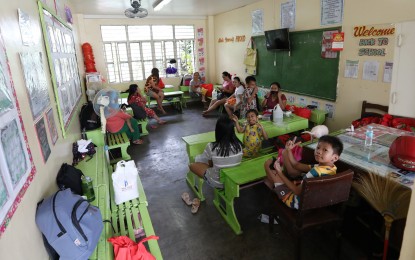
pixel 132 51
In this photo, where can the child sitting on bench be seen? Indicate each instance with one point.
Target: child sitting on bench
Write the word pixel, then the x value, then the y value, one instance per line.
pixel 123 122
pixel 327 152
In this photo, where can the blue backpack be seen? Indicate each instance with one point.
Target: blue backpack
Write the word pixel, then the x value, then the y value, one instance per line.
pixel 69 224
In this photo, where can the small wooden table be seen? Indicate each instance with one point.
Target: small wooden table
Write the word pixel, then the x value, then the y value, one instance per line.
pixel 176 99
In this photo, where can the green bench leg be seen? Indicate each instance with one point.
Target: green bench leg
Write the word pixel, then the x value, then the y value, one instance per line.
pixel 196 184
pixel 143 124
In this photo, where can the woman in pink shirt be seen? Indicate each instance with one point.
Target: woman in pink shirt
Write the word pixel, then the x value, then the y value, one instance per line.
pixel 123 122
pixel 224 93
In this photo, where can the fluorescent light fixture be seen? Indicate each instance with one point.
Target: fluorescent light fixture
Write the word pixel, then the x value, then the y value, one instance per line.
pixel 159 4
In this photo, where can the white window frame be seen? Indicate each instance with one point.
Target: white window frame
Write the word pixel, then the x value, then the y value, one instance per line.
pixel 117 77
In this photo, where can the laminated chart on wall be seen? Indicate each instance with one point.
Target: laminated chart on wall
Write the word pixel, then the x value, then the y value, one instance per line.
pixel 60 48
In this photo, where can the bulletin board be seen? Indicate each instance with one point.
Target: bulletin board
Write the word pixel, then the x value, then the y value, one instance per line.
pixel 303 70
pixel 60 49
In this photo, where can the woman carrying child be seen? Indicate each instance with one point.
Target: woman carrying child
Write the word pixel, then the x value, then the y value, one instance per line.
pixel 135 97
pixel 155 92
pixel 225 91
pixel 327 152
pixel 225 152
pixel 249 96
pixel 196 89
pixel 233 103
pixel 253 133
pixel 122 122
pixel 274 97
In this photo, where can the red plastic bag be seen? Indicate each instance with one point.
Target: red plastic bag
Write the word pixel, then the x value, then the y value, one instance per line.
pixel 127 249
pixel 303 112
pixel 209 88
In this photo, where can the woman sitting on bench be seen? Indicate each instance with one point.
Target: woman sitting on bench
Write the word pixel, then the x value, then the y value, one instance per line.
pixel 122 122
pixel 135 97
pixel 155 92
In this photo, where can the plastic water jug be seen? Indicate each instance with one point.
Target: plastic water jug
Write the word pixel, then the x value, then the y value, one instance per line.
pixel 277 115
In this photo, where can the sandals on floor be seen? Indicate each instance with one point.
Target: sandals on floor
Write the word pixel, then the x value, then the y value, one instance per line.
pixel 153 126
pixel 138 141
pixel 195 205
pixel 186 199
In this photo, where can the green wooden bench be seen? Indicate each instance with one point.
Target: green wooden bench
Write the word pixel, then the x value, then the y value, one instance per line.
pixel 113 141
pixel 96 168
pixel 119 140
pixel 133 215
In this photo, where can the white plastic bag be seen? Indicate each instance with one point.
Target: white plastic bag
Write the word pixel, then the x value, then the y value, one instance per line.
pixel 124 181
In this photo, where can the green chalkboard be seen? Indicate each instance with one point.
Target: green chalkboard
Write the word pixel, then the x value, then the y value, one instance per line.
pixel 302 70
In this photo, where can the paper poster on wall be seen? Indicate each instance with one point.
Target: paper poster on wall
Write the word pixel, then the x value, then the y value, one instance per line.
pixel 201 52
pixel 3 193
pixel 291 99
pixel 326 45
pixel 351 70
pixel 330 110
pixel 42 137
pixel 370 70
pixel 14 153
pixel 387 72
pixel 302 102
pixel 331 12
pixel 17 171
pixel 315 103
pixel 52 126
pixel 199 33
pixel 36 85
pixel 288 15
pixel 257 22
pixel 25 28
pixel 61 54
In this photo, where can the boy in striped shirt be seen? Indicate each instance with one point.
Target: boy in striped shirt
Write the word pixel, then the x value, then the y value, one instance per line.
pixel 327 152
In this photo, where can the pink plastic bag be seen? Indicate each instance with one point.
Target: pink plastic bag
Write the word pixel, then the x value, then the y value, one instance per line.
pixel 297 152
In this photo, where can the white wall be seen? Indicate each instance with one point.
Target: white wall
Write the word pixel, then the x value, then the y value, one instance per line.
pixel 22 239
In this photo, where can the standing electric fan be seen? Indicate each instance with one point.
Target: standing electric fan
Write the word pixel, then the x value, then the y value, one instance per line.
pixel 106 105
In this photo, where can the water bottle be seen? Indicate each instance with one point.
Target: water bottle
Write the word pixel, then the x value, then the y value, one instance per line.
pixel 369 136
pixel 87 188
pixel 83 134
pixel 277 115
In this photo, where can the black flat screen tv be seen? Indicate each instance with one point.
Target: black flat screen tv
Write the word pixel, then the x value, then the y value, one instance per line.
pixel 277 39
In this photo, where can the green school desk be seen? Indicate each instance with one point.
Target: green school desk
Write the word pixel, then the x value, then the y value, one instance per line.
pixel 195 144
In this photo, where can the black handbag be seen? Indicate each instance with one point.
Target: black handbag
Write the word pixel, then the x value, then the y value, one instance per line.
pixel 139 112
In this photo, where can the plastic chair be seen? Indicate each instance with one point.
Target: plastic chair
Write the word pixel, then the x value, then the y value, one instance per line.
pixel 317 197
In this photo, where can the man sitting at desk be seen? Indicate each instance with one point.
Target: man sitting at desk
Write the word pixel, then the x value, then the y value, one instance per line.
pixel 327 152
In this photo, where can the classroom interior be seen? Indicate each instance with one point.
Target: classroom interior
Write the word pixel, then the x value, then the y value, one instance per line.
pixel 20 238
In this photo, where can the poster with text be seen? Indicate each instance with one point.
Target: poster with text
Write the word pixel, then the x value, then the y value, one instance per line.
pixel 288 15
pixel 42 137
pixel 257 22
pixel 17 169
pixel 36 85
pixel 331 12
pixel 52 126
pixel 25 28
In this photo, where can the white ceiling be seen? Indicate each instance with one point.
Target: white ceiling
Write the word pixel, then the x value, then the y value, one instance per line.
pixel 174 8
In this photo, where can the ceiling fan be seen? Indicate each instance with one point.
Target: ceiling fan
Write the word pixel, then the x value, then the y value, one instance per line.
pixel 136 11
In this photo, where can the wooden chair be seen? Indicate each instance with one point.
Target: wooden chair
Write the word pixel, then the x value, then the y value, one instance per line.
pixel 317 197
pixel 370 106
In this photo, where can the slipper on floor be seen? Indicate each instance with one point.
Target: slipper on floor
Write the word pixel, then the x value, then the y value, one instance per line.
pixel 195 205
pixel 138 141
pixel 186 198
pixel 162 122
pixel 153 126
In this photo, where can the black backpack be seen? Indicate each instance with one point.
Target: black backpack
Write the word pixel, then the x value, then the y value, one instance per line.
pixel 70 177
pixel 88 118
pixel 139 112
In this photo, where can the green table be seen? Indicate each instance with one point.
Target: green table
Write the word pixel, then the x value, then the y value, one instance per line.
pixel 235 178
pixel 195 144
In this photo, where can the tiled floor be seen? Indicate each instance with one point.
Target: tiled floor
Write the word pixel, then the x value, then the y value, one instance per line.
pixel 162 162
